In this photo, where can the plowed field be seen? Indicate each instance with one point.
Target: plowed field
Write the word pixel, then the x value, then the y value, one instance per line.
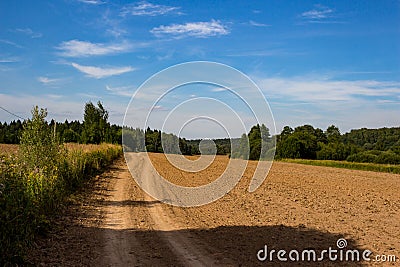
pixel 298 207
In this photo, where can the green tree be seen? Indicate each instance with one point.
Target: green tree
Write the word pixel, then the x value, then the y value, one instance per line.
pixel 333 134
pixel 95 123
pixel 39 149
pixel 244 147
pixel 300 143
pixel 286 132
pixel 290 147
pixel 255 142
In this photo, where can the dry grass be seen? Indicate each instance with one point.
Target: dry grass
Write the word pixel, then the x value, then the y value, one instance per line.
pixel 8 149
pixel 86 148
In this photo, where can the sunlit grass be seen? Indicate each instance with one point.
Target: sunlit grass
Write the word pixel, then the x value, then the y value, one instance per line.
pixel 348 165
pixel 28 197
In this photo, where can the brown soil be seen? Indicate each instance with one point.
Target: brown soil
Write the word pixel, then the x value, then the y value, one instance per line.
pixel 297 207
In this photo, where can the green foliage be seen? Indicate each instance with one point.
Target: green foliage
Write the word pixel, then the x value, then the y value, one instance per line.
pixel 39 149
pixel 335 151
pixel 137 140
pixel 153 141
pixel 396 147
pixel 70 136
pixel 67 132
pixel 379 139
pixel 35 183
pixel 133 140
pixel 375 146
pixel 375 156
pixel 290 148
pixel 388 157
pixel 333 134
pixel 300 143
pixel 255 142
pixel 348 165
pixel 16 209
pixel 257 145
pixel 10 133
pixel 243 149
pixel 95 123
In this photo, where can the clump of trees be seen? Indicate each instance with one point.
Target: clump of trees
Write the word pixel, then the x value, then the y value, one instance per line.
pixel 257 144
pixel 137 140
pixel 94 129
pixel 363 145
pixel 10 133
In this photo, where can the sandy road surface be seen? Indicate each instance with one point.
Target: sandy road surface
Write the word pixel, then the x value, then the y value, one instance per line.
pixel 297 207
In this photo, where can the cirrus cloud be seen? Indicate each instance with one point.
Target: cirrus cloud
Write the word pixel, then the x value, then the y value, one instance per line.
pixel 98 72
pixel 126 91
pixel 319 12
pixel 258 24
pixel 77 48
pixel 92 2
pixel 323 90
pixel 46 80
pixel 194 29
pixel 29 32
pixel 148 9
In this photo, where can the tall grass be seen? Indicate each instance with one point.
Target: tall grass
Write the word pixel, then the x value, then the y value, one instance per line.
pixel 348 165
pixel 35 181
pixel 29 198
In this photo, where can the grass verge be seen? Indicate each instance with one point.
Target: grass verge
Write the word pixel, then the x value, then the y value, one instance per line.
pixel 29 197
pixel 348 165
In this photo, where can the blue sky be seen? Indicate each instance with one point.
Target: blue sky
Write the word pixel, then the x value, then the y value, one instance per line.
pixel 317 62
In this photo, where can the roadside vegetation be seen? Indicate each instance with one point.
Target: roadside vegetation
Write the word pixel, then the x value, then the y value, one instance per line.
pixel 36 179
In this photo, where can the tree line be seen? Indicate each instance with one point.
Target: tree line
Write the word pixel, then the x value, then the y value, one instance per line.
pixel 303 142
pixel 361 145
pixel 94 129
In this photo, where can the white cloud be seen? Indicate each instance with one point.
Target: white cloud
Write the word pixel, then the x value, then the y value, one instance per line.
pixel 97 72
pixel 348 104
pixel 76 48
pixel 10 43
pixel 148 9
pixel 316 14
pixel 9 60
pixel 46 80
pixel 195 29
pixel 316 90
pixel 54 96
pixel 126 91
pixel 320 14
pixel 257 24
pixel 92 2
pixel 29 32
pixel 219 89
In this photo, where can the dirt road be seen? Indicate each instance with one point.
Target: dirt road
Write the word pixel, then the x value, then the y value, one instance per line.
pixel 298 207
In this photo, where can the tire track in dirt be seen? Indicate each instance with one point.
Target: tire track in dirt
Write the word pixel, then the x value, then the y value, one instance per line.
pixel 183 245
pixel 118 245
pixel 130 215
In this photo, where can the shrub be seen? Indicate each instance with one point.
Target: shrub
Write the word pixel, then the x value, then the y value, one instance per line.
pixel 388 157
pixel 34 184
pixel 362 157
